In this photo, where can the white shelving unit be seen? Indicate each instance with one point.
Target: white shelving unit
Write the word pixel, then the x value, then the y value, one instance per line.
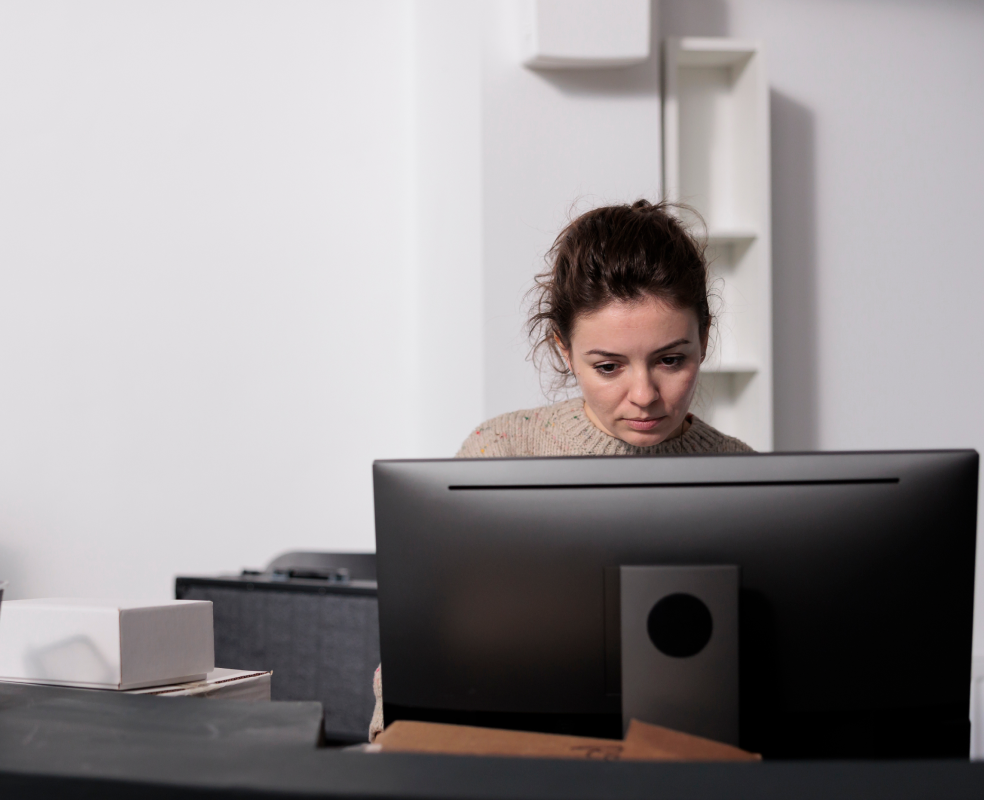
pixel 716 159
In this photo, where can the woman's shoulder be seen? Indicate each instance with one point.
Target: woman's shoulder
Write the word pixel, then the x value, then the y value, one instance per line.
pixel 704 438
pixel 516 432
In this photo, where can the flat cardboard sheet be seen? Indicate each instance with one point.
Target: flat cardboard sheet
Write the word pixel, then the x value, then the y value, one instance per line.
pixel 643 742
pixel 220 684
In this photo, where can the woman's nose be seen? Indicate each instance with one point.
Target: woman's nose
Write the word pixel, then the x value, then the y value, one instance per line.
pixel 643 392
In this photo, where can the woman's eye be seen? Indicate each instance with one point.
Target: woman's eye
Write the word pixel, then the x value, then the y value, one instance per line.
pixel 671 361
pixel 606 369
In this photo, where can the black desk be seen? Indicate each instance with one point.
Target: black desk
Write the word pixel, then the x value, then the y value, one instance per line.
pixel 64 743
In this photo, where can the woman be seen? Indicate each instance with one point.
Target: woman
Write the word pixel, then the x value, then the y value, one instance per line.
pixel 623 312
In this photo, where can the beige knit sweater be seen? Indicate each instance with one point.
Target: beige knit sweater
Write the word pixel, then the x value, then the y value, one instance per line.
pixel 563 429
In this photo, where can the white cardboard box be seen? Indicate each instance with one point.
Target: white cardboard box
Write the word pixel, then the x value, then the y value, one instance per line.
pixel 106 644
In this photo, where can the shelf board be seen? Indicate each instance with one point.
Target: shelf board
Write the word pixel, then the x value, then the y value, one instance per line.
pixel 731 236
pixel 713 52
pixel 731 368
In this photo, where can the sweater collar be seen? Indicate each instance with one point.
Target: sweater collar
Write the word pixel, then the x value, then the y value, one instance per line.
pixel 585 435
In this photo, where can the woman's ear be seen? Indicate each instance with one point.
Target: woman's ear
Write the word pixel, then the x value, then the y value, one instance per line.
pixel 705 334
pixel 565 353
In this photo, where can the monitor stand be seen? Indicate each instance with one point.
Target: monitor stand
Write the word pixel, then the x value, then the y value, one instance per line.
pixel 679 648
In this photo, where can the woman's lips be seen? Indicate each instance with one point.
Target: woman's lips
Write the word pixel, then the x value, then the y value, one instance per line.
pixel 644 424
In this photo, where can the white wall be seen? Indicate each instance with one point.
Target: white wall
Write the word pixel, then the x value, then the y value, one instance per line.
pixel 877 113
pixel 446 222
pixel 205 285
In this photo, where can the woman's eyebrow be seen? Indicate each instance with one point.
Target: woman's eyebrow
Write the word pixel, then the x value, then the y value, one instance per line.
pixel 670 346
pixel 603 353
pixel 606 354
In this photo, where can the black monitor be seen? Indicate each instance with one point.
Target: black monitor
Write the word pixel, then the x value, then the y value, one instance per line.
pixel 855 599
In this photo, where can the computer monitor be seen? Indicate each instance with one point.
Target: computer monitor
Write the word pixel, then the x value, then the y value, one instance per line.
pixel 855 602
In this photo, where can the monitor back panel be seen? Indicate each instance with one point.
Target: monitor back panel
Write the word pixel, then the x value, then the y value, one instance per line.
pixel 856 600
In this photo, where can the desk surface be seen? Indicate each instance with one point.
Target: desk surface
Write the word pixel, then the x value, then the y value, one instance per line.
pixel 66 743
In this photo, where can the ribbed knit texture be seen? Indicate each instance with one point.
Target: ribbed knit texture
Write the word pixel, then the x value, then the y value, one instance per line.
pixel 563 429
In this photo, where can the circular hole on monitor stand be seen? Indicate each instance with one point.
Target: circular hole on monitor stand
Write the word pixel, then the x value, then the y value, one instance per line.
pixel 680 625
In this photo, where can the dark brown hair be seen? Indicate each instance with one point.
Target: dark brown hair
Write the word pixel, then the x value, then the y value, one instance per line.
pixel 616 253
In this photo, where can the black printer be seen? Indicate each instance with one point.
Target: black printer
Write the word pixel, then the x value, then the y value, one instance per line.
pixel 311 618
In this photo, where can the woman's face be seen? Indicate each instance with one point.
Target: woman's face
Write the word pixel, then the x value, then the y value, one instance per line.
pixel 636 363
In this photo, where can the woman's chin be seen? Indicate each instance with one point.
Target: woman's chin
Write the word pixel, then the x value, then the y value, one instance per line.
pixel 647 438
pixel 642 438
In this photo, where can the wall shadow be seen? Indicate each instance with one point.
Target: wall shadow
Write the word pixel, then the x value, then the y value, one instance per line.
pixel 11 569
pixel 693 18
pixel 794 274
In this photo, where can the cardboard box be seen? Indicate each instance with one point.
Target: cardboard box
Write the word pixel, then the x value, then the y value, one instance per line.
pixel 642 742
pixel 105 644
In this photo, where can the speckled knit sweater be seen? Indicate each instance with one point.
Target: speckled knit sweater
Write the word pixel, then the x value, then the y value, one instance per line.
pixel 563 429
